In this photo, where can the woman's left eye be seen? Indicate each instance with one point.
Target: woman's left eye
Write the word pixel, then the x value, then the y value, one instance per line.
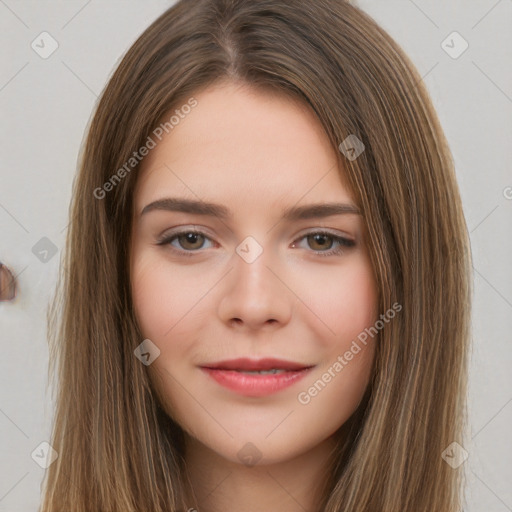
pixel 191 241
pixel 321 239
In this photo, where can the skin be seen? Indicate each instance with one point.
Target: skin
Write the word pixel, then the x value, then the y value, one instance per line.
pixel 255 153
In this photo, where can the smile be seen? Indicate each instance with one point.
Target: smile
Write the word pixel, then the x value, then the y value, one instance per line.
pixel 256 378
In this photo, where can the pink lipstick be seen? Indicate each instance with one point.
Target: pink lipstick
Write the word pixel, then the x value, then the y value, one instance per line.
pixel 256 378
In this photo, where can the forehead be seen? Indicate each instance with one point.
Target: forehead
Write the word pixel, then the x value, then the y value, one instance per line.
pixel 245 143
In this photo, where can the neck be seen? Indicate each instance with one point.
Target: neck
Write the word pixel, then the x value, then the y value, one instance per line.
pixel 218 484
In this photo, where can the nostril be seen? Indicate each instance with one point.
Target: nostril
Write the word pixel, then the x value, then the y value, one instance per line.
pixel 7 284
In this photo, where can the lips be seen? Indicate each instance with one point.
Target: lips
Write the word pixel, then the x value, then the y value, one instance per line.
pixel 245 364
pixel 239 375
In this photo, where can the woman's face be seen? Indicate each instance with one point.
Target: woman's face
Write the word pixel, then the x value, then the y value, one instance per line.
pixel 254 283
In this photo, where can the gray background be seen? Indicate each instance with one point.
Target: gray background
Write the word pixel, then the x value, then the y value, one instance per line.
pixel 46 105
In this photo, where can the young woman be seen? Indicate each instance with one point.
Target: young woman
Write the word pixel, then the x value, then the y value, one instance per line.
pixel 265 297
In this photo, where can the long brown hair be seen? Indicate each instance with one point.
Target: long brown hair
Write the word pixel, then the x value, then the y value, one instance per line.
pixel 117 450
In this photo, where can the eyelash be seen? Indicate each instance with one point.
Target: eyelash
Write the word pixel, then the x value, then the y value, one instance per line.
pixel 344 243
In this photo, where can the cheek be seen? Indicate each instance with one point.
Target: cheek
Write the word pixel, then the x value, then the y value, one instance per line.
pixel 357 302
pixel 335 390
pixel 170 308
pixel 160 297
pixel 347 308
pixel 150 297
pixel 161 301
pixel 344 301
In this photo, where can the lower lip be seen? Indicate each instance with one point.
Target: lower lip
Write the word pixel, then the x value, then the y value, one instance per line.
pixel 256 385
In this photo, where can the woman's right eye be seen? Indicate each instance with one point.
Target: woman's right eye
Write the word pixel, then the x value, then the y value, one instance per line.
pixel 188 241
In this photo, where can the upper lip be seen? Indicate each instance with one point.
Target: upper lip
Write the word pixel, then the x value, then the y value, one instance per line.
pixel 246 364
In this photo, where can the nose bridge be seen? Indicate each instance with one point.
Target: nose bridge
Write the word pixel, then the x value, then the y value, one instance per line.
pixel 252 267
pixel 252 273
pixel 254 294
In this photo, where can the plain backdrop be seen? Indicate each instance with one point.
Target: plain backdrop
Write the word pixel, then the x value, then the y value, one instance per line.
pixel 46 104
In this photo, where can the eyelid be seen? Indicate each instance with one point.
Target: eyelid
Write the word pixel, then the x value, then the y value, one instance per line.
pixel 326 231
pixel 181 230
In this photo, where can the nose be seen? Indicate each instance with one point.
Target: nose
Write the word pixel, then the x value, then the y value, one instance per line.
pixel 255 295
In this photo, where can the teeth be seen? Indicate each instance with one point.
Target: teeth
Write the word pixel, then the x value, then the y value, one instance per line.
pixel 263 372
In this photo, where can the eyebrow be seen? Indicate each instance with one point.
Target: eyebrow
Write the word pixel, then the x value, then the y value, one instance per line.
pixel 294 213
